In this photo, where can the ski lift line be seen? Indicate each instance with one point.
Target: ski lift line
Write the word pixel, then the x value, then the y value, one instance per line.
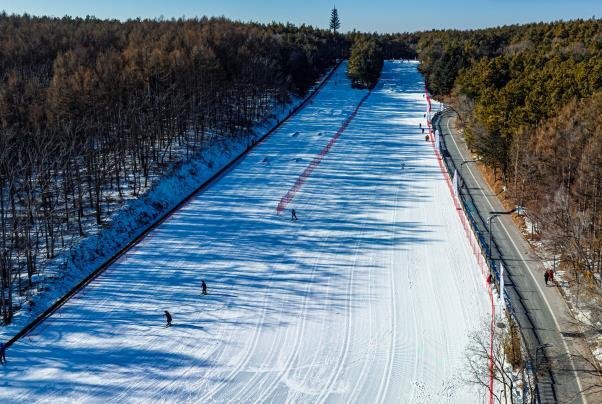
pixel 470 235
pixel 145 232
pixel 290 194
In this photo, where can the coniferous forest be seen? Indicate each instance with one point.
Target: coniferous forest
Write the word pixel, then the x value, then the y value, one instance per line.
pixel 365 61
pixel 530 100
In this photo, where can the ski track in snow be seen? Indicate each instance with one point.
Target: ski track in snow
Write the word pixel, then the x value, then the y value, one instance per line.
pixel 368 297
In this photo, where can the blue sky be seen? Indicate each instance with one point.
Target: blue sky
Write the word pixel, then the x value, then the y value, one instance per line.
pixel 363 15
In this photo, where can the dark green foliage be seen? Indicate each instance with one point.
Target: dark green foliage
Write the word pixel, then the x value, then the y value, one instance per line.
pixel 335 23
pixel 365 62
pixel 399 46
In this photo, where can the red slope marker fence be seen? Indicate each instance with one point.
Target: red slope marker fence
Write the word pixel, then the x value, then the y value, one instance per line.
pixel 472 239
pixel 290 195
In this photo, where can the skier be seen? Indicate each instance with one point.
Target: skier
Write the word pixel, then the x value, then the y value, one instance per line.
pixel 423 130
pixel 204 287
pixel 168 318
pixel 426 138
pixel 2 353
pixel 546 277
pixel 293 214
pixel 420 125
pixel 403 165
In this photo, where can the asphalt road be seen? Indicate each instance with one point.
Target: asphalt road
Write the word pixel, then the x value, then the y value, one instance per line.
pixel 541 310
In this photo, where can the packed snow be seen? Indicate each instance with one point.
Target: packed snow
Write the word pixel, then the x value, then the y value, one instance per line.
pixel 368 297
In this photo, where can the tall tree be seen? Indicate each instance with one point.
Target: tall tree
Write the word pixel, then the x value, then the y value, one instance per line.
pixel 335 23
pixel 365 63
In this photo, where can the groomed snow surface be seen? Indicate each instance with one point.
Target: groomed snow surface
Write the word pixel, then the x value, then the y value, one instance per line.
pixel 368 297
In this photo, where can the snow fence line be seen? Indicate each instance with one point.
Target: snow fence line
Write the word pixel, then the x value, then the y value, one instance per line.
pixel 472 239
pixel 290 195
pixel 213 178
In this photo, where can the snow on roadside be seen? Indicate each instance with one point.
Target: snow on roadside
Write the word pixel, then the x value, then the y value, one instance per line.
pixel 570 292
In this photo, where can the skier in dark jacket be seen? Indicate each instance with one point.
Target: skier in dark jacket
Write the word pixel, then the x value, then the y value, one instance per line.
pixel 204 287
pixel 168 318
pixel 293 214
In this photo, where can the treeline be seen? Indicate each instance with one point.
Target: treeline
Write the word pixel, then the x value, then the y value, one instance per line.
pixel 531 104
pixel 365 61
pixel 92 110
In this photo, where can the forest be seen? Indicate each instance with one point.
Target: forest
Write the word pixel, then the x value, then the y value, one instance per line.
pixel 365 61
pixel 530 101
pixel 92 110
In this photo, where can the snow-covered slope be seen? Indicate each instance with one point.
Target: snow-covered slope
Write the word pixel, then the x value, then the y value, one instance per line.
pixel 368 297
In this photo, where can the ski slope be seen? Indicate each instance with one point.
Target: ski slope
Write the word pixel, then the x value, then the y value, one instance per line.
pixel 368 297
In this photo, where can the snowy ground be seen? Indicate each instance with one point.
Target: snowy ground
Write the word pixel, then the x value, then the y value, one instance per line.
pixel 368 297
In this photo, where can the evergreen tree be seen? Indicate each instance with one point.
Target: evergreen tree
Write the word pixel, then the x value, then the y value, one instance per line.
pixel 365 63
pixel 335 23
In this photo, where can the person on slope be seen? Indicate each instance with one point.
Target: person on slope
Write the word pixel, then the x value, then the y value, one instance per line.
pixel 2 353
pixel 204 287
pixel 293 214
pixel 168 318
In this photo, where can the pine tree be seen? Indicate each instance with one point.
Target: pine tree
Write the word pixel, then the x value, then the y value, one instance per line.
pixel 335 23
pixel 365 62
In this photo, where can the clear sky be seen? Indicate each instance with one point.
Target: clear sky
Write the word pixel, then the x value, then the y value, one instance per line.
pixel 362 15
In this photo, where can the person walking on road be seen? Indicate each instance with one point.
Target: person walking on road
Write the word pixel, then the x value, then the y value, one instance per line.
pixel 168 318
pixel 204 287
pixel 546 277
pixel 293 214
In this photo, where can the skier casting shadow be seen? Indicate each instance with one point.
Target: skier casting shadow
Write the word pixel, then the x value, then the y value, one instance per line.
pixel 168 318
